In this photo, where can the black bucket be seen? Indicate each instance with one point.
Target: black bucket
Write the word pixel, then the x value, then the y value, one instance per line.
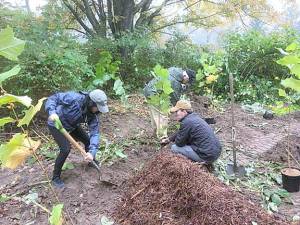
pixel 291 182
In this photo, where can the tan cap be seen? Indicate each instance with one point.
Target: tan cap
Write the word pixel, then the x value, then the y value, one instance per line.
pixel 181 104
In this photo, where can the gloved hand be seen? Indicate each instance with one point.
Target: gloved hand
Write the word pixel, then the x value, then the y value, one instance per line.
pixel 53 117
pixel 58 124
pixel 164 140
pixel 88 157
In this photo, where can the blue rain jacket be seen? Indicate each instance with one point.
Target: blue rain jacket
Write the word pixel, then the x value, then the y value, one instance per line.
pixel 71 107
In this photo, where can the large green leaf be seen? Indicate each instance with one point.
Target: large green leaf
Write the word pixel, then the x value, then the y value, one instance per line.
pixel 14 71
pixel 161 72
pixel 283 193
pixel 167 88
pixel 291 83
pixel 292 47
pixel 276 199
pixel 295 69
pixel 281 93
pixel 30 113
pixel 56 215
pixel 273 207
pixel 8 98
pixel 289 60
pixel 118 87
pixel 6 120
pixel 6 149
pixel 10 47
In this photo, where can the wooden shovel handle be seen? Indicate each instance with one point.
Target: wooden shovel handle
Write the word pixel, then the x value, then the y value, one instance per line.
pixel 73 142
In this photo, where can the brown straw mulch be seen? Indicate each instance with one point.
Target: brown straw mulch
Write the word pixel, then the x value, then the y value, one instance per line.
pixel 172 190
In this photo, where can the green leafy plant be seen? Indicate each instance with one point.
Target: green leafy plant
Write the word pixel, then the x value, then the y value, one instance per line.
pixel 68 166
pixel 291 84
pixel 14 152
pixel 262 178
pixel 161 100
pixel 107 70
pixel 56 215
pixel 252 58
pixel 292 61
pixel 208 75
pixel 110 151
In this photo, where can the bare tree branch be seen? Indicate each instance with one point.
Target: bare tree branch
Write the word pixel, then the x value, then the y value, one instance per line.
pixel 197 19
pixel 77 17
pixel 77 30
pixel 143 5
pixel 91 17
pixel 96 9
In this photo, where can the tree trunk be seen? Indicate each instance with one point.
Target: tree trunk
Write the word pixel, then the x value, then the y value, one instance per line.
pixel 27 6
pixel 120 16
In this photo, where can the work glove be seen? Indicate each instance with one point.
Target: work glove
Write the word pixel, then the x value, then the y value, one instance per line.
pixel 88 157
pixel 53 117
pixel 58 124
pixel 164 141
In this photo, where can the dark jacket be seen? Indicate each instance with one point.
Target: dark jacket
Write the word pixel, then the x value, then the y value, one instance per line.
pixel 196 133
pixel 71 107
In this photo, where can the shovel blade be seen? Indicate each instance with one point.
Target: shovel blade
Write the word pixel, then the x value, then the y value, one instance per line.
pixel 238 171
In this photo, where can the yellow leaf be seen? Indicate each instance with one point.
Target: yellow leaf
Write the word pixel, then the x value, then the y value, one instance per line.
pixel 211 78
pixel 15 152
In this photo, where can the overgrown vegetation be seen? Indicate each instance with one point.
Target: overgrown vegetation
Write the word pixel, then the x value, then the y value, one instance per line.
pixel 262 178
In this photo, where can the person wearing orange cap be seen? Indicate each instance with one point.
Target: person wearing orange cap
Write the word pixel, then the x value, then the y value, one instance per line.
pixel 195 139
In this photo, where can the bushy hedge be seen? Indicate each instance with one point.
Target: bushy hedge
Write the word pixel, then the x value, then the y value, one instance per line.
pixel 252 57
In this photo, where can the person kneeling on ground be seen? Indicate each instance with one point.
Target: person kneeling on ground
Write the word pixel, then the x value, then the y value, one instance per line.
pixel 74 108
pixel 195 139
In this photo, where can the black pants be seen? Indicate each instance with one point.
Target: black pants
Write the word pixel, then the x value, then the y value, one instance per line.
pixel 64 145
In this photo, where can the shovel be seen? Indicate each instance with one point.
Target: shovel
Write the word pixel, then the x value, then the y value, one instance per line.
pixel 233 169
pixel 60 127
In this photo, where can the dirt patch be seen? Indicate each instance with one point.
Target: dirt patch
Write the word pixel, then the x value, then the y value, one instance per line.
pixel 85 198
pixel 173 190
pixel 279 152
pixel 255 136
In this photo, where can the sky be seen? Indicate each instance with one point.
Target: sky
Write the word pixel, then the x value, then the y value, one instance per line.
pixel 34 4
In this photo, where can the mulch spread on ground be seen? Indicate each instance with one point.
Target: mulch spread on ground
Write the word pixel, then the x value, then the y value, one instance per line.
pixel 173 190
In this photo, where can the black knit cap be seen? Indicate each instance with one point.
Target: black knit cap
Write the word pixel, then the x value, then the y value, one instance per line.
pixel 191 74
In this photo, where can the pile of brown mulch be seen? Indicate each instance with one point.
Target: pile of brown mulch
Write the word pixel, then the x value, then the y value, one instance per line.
pixel 171 190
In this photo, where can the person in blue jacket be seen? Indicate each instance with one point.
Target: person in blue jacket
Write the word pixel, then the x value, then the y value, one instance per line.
pixel 74 108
